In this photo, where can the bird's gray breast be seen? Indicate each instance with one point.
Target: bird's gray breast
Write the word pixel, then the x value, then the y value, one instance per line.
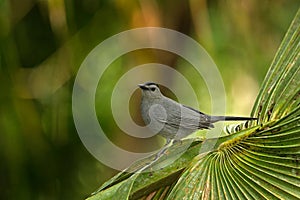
pixel 154 115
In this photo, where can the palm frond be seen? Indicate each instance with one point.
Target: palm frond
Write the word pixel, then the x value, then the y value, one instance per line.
pixel 258 162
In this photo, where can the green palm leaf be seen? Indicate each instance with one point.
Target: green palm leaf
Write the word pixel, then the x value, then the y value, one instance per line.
pixel 258 162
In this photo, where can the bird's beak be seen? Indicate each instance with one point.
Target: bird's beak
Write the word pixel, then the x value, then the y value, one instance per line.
pixel 142 86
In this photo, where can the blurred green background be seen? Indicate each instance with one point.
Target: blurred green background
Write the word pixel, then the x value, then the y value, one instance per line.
pixel 43 44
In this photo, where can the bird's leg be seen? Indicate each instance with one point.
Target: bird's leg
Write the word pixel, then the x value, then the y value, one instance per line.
pixel 163 150
pixel 176 141
pixel 157 156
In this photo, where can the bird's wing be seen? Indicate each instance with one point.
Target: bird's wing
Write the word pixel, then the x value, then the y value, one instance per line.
pixel 179 116
pixel 189 123
pixel 194 119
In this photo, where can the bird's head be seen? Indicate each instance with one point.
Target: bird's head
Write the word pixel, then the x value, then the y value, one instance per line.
pixel 150 90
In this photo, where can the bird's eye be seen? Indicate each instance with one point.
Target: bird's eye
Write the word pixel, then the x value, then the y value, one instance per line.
pixel 152 89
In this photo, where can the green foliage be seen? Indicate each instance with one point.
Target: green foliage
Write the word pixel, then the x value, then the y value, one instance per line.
pixel 42 45
pixel 261 161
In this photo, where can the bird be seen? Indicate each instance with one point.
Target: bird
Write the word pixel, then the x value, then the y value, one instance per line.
pixel 171 119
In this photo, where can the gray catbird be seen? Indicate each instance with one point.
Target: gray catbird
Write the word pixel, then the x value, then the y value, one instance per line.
pixel 172 120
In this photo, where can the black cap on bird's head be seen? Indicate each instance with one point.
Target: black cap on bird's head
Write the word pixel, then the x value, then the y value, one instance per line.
pixel 150 89
pixel 148 85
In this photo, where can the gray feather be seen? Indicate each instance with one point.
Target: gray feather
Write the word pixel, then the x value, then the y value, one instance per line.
pixel 171 119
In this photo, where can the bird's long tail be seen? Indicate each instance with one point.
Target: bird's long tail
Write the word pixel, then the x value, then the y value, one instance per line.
pixel 230 118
